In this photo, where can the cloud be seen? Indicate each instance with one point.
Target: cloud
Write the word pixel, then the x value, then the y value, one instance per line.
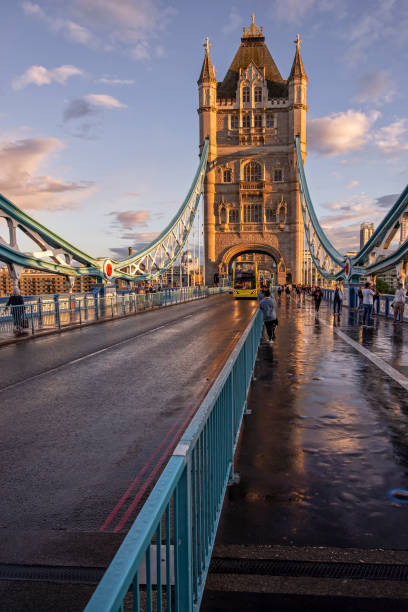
pixel 114 81
pixel 20 161
pixel 88 105
pixel 392 138
pixel 69 29
pixel 297 10
pixel 130 26
pixel 341 133
pixel 138 241
pixel 38 75
pixel 234 21
pixel 352 184
pixel 128 219
pixel 376 87
pixel 342 223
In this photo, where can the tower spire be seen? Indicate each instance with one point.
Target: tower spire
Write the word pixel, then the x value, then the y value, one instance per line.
pixel 297 70
pixel 207 70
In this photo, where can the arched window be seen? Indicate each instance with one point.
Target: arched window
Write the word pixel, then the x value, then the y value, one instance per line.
pixel 245 94
pixel 223 215
pixel 269 215
pixel 252 172
pixel 258 94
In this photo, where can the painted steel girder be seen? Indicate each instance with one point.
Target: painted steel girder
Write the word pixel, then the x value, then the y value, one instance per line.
pixel 152 261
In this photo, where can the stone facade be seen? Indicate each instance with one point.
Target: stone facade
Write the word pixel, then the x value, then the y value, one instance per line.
pixel 251 194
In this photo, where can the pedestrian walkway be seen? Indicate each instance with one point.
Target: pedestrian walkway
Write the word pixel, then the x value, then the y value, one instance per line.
pixel 323 449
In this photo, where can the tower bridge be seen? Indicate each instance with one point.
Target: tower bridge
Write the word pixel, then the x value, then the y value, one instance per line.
pixel 122 442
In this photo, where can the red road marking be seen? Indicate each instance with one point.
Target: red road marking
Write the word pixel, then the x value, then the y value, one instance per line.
pixel 163 457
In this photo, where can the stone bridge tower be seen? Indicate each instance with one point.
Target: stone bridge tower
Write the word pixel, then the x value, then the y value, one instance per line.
pixel 251 194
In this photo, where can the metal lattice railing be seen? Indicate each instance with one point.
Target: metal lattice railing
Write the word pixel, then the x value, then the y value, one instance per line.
pixel 163 561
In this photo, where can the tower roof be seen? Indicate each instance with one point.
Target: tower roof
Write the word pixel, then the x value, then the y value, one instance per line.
pixel 252 48
pixel 207 71
pixel 297 66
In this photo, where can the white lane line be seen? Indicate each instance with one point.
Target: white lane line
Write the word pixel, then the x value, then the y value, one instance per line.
pixel 380 363
pixel 107 348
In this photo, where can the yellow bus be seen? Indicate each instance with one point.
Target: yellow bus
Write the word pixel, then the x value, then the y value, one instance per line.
pixel 245 279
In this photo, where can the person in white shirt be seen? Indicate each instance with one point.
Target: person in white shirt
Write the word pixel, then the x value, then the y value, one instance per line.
pixel 399 303
pixel 368 295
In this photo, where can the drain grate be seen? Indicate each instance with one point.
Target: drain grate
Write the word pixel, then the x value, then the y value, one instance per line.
pixel 50 573
pixel 310 569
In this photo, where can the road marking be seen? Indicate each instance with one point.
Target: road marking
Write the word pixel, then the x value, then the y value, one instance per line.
pixel 380 363
pixel 89 355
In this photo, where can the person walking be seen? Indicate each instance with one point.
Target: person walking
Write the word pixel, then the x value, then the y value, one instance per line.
pixel 317 298
pixel 337 299
pixel 268 308
pixel 368 295
pixel 261 294
pixel 376 298
pixel 16 305
pixel 360 298
pixel 399 303
pixel 287 291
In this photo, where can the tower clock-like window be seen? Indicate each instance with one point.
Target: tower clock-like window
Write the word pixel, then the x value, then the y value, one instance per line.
pixel 246 121
pixel 252 172
pixel 234 122
pixel 245 94
pixel 252 213
pixel 258 94
pixel 227 175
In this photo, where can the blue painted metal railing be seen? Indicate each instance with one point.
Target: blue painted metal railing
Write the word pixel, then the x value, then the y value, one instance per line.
pixel 168 548
pixel 57 311
pixel 382 306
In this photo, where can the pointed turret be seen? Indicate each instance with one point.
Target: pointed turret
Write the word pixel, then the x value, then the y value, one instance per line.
pixel 207 71
pixel 298 71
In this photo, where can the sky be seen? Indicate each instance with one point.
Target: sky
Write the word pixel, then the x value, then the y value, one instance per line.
pixel 98 116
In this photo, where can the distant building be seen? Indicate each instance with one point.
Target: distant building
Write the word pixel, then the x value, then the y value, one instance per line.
pixel 366 231
pixel 34 282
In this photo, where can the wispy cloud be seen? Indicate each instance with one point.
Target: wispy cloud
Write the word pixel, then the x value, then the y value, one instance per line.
pixel 130 26
pixel 90 104
pixel 39 75
pixel 21 181
pixel 376 88
pixel 129 219
pixel 235 21
pixel 392 139
pixel 137 240
pixel 114 81
pixel 352 184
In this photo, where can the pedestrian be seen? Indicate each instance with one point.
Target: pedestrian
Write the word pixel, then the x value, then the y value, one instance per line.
pixel 368 295
pixel 287 291
pixel 376 298
pixel 337 299
pixel 16 305
pixel 317 298
pixel 280 289
pixel 399 303
pixel 360 298
pixel 268 308
pixel 261 294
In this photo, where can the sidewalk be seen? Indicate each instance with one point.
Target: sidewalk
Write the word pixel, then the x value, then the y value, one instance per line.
pixel 325 445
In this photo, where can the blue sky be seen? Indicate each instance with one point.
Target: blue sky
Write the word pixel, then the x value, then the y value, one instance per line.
pixel 98 123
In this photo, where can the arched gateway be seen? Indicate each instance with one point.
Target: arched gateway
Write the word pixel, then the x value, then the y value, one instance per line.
pixel 251 192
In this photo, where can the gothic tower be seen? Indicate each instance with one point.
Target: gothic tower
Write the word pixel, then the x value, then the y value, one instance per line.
pixel 251 193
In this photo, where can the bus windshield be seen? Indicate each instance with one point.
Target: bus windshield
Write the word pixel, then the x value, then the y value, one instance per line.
pixel 245 280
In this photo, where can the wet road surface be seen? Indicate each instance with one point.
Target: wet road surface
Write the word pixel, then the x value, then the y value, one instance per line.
pixel 327 439
pixel 88 419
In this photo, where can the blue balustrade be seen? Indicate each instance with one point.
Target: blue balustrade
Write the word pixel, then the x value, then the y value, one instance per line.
pixel 163 561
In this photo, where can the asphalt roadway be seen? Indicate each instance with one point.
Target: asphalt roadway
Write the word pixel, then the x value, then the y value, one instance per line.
pixel 88 419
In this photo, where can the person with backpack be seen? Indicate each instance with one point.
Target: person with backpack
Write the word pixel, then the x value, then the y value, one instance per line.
pixel 268 308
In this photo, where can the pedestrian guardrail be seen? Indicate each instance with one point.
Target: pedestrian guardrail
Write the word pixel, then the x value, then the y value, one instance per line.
pixel 66 310
pixel 163 561
pixel 382 306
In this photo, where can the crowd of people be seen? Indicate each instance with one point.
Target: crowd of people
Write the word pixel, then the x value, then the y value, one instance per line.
pixel 368 295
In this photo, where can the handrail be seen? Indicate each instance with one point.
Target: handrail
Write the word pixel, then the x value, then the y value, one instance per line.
pixel 175 530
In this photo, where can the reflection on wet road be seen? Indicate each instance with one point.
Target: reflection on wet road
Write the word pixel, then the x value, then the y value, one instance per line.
pixel 327 438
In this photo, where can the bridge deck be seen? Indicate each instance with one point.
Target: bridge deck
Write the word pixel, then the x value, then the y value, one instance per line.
pixel 88 419
pixel 324 445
